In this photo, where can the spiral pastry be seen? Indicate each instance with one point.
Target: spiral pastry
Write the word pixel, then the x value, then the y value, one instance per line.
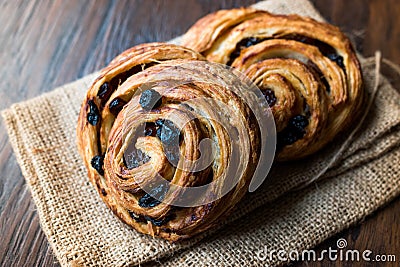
pixel 306 69
pixel 140 135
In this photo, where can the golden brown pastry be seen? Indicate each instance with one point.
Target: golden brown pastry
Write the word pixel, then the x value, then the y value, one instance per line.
pixel 133 129
pixel 306 69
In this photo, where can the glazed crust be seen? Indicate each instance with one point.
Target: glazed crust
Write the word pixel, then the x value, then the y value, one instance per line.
pixel 310 67
pixel 120 125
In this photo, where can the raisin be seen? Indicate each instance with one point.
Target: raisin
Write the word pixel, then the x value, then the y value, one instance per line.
pixel 97 164
pixel 172 153
pixel 304 39
pixel 104 91
pixel 167 230
pixel 123 76
pixel 171 137
pixel 168 132
pixel 235 54
pixel 293 132
pixel 136 217
pixel 159 222
pixel 270 97
pixel 159 122
pixel 337 59
pixel 93 116
pixel 150 129
pixel 147 201
pixel 247 42
pixel 156 222
pixel 150 99
pixel 300 122
pixel 210 177
pixel 135 158
pixel 103 192
pixel 287 137
pixel 116 106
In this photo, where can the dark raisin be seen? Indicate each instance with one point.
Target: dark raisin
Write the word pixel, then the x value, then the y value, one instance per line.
pixel 160 222
pixel 148 201
pixel 97 164
pixel 326 84
pixel 167 230
pixel 172 153
pixel 288 137
pixel 300 122
pixel 150 129
pixel 103 192
pixel 180 138
pixel 135 158
pixel 210 177
pixel 337 59
pixel 104 91
pixel 324 48
pixel 116 106
pixel 168 132
pixel 293 132
pixel 235 54
pixel 121 77
pixel 150 99
pixel 136 217
pixel 93 116
pixel 159 122
pixel 171 137
pixel 157 222
pixel 208 207
pixel 247 42
pixel 270 97
pixel 300 38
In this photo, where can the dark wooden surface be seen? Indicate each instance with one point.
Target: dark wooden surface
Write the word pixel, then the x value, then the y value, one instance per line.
pixel 47 43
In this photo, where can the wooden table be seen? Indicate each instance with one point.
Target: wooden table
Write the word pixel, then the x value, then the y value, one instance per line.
pixel 45 44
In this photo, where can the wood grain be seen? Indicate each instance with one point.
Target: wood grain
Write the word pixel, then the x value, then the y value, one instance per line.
pixel 45 44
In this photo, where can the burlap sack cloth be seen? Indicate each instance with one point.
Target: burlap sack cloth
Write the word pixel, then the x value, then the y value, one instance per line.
pixel 83 232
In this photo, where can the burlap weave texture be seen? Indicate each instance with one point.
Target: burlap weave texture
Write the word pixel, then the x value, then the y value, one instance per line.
pixel 83 232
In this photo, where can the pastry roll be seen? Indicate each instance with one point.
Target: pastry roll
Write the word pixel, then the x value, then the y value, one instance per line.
pixel 141 133
pixel 307 70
